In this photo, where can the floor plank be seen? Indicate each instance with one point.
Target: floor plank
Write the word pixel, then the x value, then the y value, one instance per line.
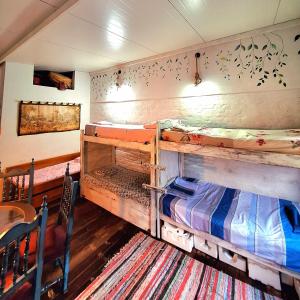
pixel 98 235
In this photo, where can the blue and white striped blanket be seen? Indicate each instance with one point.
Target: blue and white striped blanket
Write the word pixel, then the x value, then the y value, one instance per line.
pixel 249 221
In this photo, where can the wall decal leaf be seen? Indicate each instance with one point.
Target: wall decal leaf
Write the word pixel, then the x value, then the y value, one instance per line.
pixel 297 37
pixel 237 47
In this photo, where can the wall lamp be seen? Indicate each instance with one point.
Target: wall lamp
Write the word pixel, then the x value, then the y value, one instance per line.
pixel 197 75
pixel 119 79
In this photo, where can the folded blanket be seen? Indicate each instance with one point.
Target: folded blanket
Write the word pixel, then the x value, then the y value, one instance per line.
pixel 294 217
pixel 183 187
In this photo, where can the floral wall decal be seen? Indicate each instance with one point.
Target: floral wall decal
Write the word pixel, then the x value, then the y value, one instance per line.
pixel 260 62
pixel 223 61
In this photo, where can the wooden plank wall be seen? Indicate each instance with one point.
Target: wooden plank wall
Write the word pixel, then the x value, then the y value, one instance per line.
pixel 133 159
pixel 262 179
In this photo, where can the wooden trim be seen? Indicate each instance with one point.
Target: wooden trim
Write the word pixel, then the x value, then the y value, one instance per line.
pixel 40 164
pixel 118 143
pixel 231 247
pixel 249 156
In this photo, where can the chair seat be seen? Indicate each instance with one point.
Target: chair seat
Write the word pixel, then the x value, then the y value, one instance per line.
pixel 24 292
pixel 53 247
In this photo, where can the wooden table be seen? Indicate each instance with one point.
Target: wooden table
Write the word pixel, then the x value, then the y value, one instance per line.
pixel 14 212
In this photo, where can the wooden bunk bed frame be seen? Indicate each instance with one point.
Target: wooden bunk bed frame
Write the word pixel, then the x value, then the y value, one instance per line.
pixel 172 161
pixel 97 152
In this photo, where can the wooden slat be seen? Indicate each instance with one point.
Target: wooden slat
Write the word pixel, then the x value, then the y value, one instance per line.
pixel 132 159
pixel 267 158
pixel 118 143
pixel 126 209
pixel 231 247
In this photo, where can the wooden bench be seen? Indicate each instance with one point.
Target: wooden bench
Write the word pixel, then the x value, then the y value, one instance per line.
pixel 49 176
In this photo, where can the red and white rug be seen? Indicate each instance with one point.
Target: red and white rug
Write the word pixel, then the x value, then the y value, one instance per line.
pixel 149 269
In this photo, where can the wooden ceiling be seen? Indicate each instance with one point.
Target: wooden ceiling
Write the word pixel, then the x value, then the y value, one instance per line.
pixel 89 35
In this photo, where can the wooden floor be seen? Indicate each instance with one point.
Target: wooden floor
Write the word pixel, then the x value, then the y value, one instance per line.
pixel 98 235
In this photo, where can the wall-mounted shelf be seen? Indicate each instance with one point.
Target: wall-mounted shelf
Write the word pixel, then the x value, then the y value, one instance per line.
pixel 59 80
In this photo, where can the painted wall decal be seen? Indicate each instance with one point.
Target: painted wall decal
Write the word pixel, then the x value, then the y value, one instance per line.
pixel 260 62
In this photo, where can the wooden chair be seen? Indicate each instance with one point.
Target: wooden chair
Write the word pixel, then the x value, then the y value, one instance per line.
pixel 58 235
pixel 14 184
pixel 16 278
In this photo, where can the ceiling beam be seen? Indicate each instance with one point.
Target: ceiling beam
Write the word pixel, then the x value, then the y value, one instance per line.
pixel 60 10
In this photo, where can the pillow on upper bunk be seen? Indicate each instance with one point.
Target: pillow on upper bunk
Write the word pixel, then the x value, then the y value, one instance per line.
pixel 294 217
pixel 150 125
pixel 183 187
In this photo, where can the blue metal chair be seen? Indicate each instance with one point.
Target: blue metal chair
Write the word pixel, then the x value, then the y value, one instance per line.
pixel 66 218
pixel 21 281
pixel 58 235
pixel 15 185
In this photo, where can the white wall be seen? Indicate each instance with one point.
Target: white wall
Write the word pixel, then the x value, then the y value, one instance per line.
pixel 163 87
pixel 2 72
pixel 18 86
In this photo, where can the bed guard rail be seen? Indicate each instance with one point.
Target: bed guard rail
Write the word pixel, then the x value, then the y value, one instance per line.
pixel 154 188
pixel 154 166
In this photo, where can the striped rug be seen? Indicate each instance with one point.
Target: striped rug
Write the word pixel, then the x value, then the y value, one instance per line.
pixel 150 269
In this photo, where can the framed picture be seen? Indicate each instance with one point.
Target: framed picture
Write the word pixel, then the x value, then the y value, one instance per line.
pixel 36 117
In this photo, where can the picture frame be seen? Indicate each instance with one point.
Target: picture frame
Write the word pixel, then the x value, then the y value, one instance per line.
pixel 47 117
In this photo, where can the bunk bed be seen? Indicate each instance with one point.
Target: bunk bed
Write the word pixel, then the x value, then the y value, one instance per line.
pixel 116 160
pixel 220 218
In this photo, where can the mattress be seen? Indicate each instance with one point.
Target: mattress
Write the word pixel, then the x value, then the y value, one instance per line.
pixel 279 141
pixel 256 223
pixel 52 172
pixel 129 133
pixel 127 184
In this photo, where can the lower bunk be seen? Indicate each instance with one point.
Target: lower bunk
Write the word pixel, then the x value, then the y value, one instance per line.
pixel 251 232
pixel 119 190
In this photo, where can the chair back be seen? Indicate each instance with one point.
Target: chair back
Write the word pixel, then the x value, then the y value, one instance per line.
pixel 10 244
pixel 67 202
pixel 17 184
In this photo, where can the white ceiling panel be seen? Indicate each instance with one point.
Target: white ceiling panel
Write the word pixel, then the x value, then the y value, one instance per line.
pixel 7 38
pixel 17 15
pixel 215 19
pixel 154 24
pixel 288 10
pixel 55 3
pixel 96 34
pixel 75 33
pixel 51 56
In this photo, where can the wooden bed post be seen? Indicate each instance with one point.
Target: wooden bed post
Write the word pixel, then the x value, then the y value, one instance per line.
pixel 153 176
pixel 157 179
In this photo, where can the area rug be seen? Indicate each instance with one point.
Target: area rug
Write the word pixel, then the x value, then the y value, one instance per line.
pixel 149 269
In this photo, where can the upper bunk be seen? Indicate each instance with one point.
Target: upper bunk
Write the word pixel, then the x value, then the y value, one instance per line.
pixel 138 137
pixel 270 147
